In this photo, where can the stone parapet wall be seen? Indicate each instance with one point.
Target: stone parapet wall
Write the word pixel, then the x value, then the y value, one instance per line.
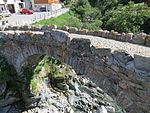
pixel 125 78
pixel 141 38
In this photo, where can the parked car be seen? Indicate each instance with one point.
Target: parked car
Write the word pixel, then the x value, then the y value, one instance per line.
pixel 26 11
pixel 6 13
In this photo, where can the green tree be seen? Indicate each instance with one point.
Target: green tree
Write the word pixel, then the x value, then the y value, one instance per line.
pixel 85 11
pixel 94 25
pixel 128 18
pixel 106 5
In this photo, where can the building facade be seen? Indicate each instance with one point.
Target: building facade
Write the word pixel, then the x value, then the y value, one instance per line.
pixel 29 4
pixel 12 5
pixel 49 5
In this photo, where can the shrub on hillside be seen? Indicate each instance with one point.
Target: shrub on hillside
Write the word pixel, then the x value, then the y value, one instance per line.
pixel 130 18
pixel 96 25
pixel 74 22
pixel 107 5
pixel 85 12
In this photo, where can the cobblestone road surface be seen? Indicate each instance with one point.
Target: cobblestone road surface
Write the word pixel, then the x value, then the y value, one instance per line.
pixel 115 45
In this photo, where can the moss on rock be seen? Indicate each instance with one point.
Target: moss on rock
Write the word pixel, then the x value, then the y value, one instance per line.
pixel 48 65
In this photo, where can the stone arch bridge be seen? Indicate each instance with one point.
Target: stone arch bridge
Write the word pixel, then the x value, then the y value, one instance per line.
pixel 129 87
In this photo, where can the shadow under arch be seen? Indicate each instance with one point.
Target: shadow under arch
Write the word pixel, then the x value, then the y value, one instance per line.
pixel 33 65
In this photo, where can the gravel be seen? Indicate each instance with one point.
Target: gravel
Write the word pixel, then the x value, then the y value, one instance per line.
pixel 130 48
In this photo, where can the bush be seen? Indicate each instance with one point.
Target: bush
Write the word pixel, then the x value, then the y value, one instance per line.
pixel 130 18
pixel 106 5
pixel 85 12
pixel 94 25
pixel 74 22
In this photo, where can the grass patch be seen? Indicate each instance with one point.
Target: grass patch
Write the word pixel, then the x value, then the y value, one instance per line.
pixel 67 19
pixel 60 74
pixel 114 93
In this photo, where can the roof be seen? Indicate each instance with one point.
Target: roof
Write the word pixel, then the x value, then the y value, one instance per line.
pixel 47 2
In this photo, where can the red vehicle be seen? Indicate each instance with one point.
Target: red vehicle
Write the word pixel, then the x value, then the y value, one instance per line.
pixel 26 11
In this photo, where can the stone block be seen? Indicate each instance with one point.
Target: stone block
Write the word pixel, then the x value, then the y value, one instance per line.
pixel 123 84
pixel 101 52
pixel 45 28
pixel 65 28
pixel 115 68
pixel 140 38
pixel 10 36
pixel 60 36
pixel 99 33
pixel 92 33
pixel 104 34
pixel 142 62
pixel 148 40
pixel 36 27
pixel 125 37
pixel 129 37
pixel 122 56
pixel 15 28
pixel 73 30
pixel 80 44
pixel 26 27
pixel 119 37
pixel 53 27
pixel 112 34
pixel 83 31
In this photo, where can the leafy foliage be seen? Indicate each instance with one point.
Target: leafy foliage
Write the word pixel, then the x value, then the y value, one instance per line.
pixel 94 25
pixel 85 11
pixel 118 15
pixel 104 5
pixel 107 5
pixel 89 16
pixel 128 18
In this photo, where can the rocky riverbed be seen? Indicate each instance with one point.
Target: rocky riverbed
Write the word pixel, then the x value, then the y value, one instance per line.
pixel 50 87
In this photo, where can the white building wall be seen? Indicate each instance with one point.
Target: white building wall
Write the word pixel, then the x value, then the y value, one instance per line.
pixel 16 4
pixel 1 2
pixel 38 6
pixel 28 4
pixel 49 7
pixel 10 1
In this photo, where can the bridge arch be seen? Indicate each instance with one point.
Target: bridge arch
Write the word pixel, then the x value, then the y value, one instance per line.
pixel 90 61
pixel 18 46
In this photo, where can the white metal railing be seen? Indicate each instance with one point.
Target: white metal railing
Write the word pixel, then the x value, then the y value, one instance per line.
pixel 37 17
